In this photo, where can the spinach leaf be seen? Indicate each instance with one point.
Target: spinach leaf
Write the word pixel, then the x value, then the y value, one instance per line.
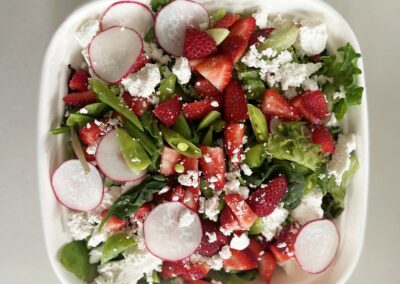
pixel 74 256
pixel 158 4
pixel 129 202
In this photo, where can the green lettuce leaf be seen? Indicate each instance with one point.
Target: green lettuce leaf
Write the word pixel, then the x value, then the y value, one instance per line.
pixel 158 4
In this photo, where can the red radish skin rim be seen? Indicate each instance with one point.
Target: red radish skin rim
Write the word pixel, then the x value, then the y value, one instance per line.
pixel 183 258
pixel 133 64
pixel 125 2
pixel 58 199
pixel 155 22
pixel 337 248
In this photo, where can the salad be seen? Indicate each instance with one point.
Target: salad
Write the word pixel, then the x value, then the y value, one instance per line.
pixel 204 149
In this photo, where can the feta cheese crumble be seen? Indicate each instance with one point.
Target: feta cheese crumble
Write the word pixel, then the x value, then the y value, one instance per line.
pixel 309 208
pixel 191 178
pixel 215 262
pixel 261 17
pixel 246 169
pixel 273 222
pixel 312 38
pixel 182 70
pixel 153 52
pixel 212 237
pixel 340 161
pixel 240 242
pixel 232 185
pixel 86 32
pixel 79 226
pixel 210 207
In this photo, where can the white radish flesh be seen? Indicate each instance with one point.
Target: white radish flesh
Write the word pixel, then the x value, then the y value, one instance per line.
pixel 114 52
pixel 131 14
pixel 76 190
pixel 316 245
pixel 112 163
pixel 172 231
pixel 172 21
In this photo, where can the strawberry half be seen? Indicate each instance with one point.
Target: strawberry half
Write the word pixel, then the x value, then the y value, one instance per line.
pixel 234 47
pixel 233 140
pixel 241 210
pixel 254 38
pixel 312 106
pixel 79 81
pixel 243 28
pixel 240 260
pixel 226 21
pixel 209 247
pixel 80 99
pixel 217 69
pixel 169 158
pixel 275 104
pixel 198 44
pixel 195 271
pixel 137 104
pixel 266 266
pixel 321 135
pixel 168 111
pixel 264 200
pixel 213 166
pixel 235 104
pixel 90 133
pixel 198 110
pixel 206 89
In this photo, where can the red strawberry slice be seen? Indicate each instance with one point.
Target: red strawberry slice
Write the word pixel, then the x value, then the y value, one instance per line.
pixel 168 111
pixel 228 220
pixel 198 44
pixel 198 110
pixel 137 104
pixel 113 223
pixel 241 210
pixel 233 140
pixel 191 198
pixel 265 199
pixel 226 21
pixel 195 62
pixel 254 38
pixel 213 166
pixel 275 104
pixel 240 260
pixel 206 89
pixel 196 271
pixel 283 248
pixel 140 63
pixel 178 194
pixel 255 248
pixel 321 135
pixel 90 133
pixel 243 28
pixel 169 158
pixel 142 212
pixel 235 104
pixel 217 69
pixel 79 81
pixel 198 282
pixel 209 246
pixel 266 266
pixel 234 47
pixel 173 268
pixel 80 99
pixel 88 157
pixel 312 106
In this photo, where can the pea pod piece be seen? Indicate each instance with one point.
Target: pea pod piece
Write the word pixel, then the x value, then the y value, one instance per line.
pixel 258 123
pixel 167 88
pixel 248 74
pixel 115 245
pixel 281 39
pixel 179 143
pixel 257 227
pixel 208 138
pixel 205 189
pixel 105 95
pixel 59 130
pixel 218 15
pixel 143 139
pixel 76 146
pixel 218 34
pixel 218 125
pixel 255 88
pixel 134 154
pixel 182 127
pixel 209 119
pixel 95 110
pixel 78 119
pixel 256 156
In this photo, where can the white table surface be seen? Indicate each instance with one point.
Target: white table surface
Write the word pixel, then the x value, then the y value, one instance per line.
pixel 25 29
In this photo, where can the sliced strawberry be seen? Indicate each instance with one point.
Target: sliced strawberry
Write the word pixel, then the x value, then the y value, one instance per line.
pixel 233 140
pixel 90 133
pixel 207 247
pixel 241 210
pixel 255 248
pixel 168 111
pixel 195 62
pixel 316 58
pixel 240 260
pixel 190 164
pixel 80 99
pixel 198 44
pixel 312 106
pixel 217 69
pixel 213 166
pixel 243 28
pixel 275 104
pixel 191 198
pixel 266 266
pixel 198 282
pixel 113 223
pixel 229 221
pixel 226 21
pixel 140 63
pixel 283 248
pixel 198 110
pixel 265 199
pixel 169 158
pixel 142 212
pixel 235 104
pixel 254 38
pixel 234 47
pixel 79 81
pixel 178 194
pixel 88 157
pixel 321 135
pixel 137 104
pixel 206 89
pixel 196 271
pixel 173 268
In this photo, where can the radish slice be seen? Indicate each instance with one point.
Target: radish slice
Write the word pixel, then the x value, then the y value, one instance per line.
pixel 316 245
pixel 76 190
pixel 130 14
pixel 114 52
pixel 172 21
pixel 172 231
pixel 112 163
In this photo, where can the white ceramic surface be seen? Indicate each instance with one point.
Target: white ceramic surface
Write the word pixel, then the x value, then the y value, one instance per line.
pixel 64 50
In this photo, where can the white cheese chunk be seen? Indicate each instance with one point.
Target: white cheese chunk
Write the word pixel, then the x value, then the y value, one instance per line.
pixel 312 38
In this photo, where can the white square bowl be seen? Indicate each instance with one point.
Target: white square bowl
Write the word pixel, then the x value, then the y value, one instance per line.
pixel 64 50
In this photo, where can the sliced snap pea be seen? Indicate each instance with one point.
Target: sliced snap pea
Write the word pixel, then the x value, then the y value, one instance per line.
pixel 134 154
pixel 255 88
pixel 217 15
pixel 167 88
pixel 209 119
pixel 256 156
pixel 207 139
pixel 105 95
pixel 143 139
pixel 257 227
pixel 258 123
pixel 182 127
pixel 115 245
pixel 218 125
pixel 78 119
pixel 155 277
pixel 205 189
pixel 281 39
pixel 248 74
pixel 59 130
pixel 76 145
pixel 179 143
pixel 96 109
pixel 218 34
